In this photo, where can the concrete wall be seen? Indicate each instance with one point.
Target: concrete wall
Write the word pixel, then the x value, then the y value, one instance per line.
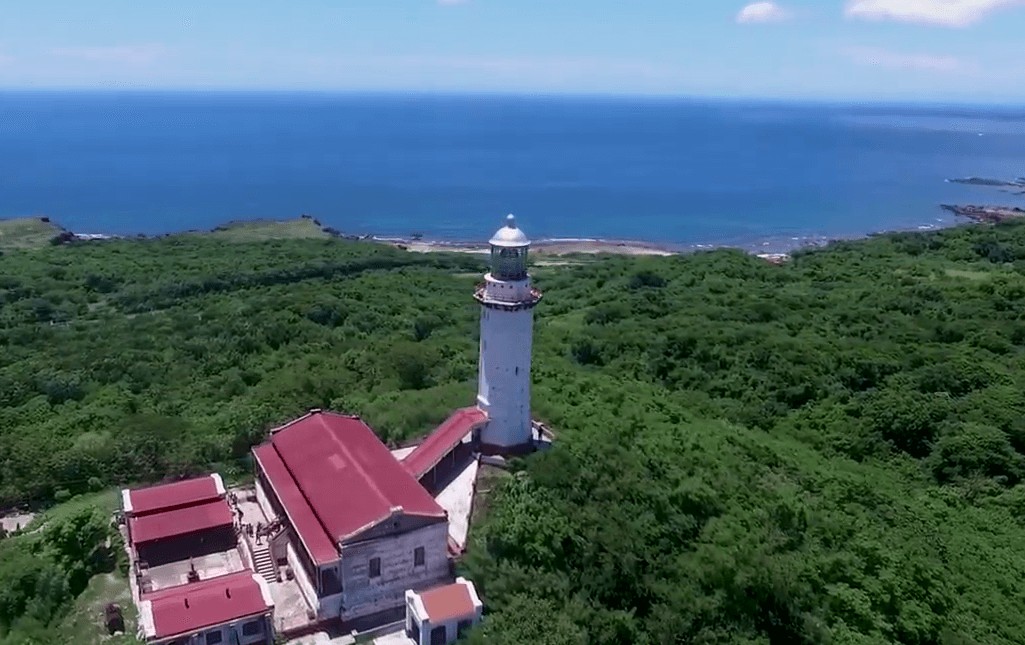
pixel 306 586
pixel 183 547
pixel 265 505
pixel 363 595
pixel 228 632
pixel 506 339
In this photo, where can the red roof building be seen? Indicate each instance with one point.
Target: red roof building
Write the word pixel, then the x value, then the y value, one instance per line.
pixel 237 605
pixel 167 496
pixel 442 614
pixel 179 521
pixel 357 514
pixel 347 477
pixel 171 522
pixel 443 441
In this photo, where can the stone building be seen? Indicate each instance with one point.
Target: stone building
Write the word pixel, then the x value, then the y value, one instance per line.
pixel 358 529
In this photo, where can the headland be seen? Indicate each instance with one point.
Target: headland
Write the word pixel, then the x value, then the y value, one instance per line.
pixel 30 232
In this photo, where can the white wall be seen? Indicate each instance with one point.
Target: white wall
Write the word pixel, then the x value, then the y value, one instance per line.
pixel 263 502
pixel 416 614
pixel 306 586
pixel 363 595
pixel 506 339
pixel 266 634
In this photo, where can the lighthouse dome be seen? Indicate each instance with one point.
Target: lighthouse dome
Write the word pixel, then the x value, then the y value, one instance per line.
pixel 509 235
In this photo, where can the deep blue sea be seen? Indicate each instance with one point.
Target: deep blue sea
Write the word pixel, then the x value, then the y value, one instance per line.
pixel 450 167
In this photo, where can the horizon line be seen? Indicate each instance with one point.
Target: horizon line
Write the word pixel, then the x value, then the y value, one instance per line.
pixel 540 95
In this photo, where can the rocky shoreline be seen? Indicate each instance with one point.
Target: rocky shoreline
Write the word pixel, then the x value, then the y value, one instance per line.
pixel 988 213
pixel 991 214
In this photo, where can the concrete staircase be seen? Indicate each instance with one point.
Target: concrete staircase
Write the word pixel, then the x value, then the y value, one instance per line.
pixel 264 564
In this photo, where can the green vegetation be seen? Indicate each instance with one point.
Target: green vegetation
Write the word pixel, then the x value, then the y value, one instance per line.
pixel 827 451
pixel 45 569
pixel 84 624
pixel 263 230
pixel 26 233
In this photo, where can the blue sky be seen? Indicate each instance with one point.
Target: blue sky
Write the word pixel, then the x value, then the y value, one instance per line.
pixel 959 50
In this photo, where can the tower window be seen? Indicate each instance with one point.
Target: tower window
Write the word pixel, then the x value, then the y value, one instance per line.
pixel 375 567
pixel 419 556
pixel 517 371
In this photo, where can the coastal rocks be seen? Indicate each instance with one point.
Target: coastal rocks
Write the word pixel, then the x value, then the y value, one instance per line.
pixel 1018 182
pixel 990 214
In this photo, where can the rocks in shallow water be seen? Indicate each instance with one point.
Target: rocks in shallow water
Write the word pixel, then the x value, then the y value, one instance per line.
pixel 985 213
pixel 984 181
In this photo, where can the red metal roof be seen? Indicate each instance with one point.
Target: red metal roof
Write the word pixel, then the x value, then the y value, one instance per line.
pixel 346 476
pixel 183 493
pixel 179 521
pixel 442 441
pixel 204 604
pixel 312 533
pixel 451 602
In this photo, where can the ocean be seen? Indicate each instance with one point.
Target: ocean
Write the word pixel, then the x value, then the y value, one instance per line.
pixel 684 172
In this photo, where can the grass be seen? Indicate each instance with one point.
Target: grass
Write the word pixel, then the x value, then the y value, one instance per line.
pixel 488 477
pixel 969 275
pixel 26 233
pixel 261 230
pixel 84 623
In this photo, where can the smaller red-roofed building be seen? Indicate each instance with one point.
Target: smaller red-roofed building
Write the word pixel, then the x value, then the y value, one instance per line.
pixel 447 446
pixel 173 522
pixel 232 609
pixel 441 615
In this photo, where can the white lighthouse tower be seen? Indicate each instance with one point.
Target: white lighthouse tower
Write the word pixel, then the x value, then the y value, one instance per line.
pixel 506 334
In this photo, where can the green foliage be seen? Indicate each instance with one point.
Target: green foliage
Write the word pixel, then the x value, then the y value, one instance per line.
pixel 130 361
pixel 42 571
pixel 864 486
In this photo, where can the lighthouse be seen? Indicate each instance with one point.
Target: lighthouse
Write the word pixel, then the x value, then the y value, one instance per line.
pixel 507 301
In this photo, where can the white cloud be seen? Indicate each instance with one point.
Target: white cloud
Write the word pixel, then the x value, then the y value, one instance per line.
pixel 126 54
pixel 762 12
pixel 948 13
pixel 904 60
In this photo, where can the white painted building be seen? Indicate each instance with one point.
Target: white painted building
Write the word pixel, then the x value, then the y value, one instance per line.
pixel 443 614
pixel 507 300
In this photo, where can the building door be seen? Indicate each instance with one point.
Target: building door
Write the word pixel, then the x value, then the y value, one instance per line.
pixel 438 636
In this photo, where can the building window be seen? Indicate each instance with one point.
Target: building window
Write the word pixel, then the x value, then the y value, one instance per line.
pixel 463 627
pixel 375 567
pixel 252 628
pixel 212 638
pixel 419 556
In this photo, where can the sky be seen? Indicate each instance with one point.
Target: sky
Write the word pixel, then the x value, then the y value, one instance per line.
pixel 918 50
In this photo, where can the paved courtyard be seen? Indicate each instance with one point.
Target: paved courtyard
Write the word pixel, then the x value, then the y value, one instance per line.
pixel 175 574
pixel 15 521
pixel 457 499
